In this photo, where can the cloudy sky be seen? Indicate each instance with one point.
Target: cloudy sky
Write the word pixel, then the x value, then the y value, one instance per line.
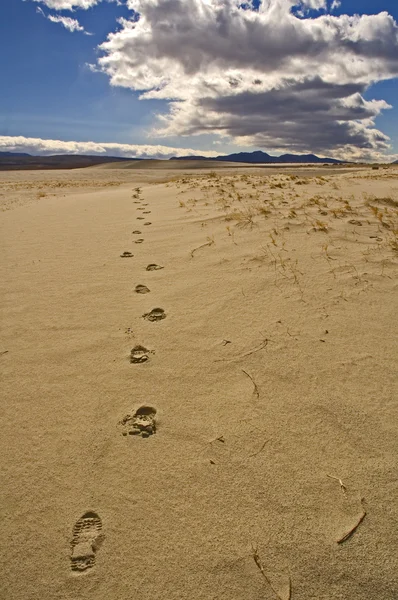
pixel 165 77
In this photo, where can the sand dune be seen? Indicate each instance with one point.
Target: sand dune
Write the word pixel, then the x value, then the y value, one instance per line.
pixel 188 165
pixel 168 165
pixel 31 186
pixel 199 384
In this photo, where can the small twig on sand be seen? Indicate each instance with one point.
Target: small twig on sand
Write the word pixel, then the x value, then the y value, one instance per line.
pixel 263 345
pixel 255 391
pixel 261 449
pixel 220 438
pixel 342 486
pixel 353 529
pixel 258 562
pixel 209 243
pixel 289 592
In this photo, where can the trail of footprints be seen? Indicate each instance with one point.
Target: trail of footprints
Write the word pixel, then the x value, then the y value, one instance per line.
pixel 87 534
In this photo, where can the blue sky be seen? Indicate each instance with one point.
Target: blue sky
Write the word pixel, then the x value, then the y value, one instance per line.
pixel 50 92
pixel 48 89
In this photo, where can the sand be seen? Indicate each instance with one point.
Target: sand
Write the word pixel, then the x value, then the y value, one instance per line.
pixel 270 376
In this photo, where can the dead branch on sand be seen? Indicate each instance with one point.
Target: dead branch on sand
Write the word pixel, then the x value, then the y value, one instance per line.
pixel 261 449
pixel 353 529
pixel 220 438
pixel 209 243
pixel 258 562
pixel 342 486
pixel 263 345
pixel 255 391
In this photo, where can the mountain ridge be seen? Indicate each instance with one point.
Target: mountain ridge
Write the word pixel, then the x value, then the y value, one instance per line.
pixel 258 156
pixel 14 154
pixel 14 161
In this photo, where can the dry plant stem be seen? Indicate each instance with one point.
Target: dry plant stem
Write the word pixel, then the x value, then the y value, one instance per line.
pixel 289 590
pixel 342 486
pixel 210 243
pixel 353 529
pixel 261 449
pixel 220 438
pixel 263 345
pixel 261 568
pixel 255 391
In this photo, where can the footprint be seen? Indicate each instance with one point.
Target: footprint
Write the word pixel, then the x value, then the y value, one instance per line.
pixel 87 538
pixel 139 241
pixel 142 289
pixel 146 212
pixel 148 223
pixel 154 267
pixel 140 208
pixel 156 314
pixel 139 354
pixel 142 422
pixel 126 255
pixel 137 232
pixel 140 218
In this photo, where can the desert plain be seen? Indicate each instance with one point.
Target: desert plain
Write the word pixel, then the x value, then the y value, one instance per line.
pixel 221 425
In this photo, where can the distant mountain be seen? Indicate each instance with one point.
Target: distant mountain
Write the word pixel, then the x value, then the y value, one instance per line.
pixel 395 162
pixel 249 157
pixel 262 157
pixel 309 158
pixel 14 161
pixel 13 154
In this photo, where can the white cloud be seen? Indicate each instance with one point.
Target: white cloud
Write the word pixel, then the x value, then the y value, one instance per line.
pixel 307 5
pixel 69 24
pixel 69 4
pixel 267 78
pixel 38 146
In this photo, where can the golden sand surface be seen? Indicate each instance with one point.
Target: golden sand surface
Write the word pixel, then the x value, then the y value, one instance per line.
pixel 221 428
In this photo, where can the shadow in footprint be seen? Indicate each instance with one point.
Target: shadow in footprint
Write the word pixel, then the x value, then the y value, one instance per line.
pixel 126 255
pixel 137 232
pixel 86 540
pixel 141 422
pixel 148 223
pixel 146 212
pixel 139 354
pixel 154 267
pixel 142 289
pixel 139 241
pixel 156 314
pixel 140 218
